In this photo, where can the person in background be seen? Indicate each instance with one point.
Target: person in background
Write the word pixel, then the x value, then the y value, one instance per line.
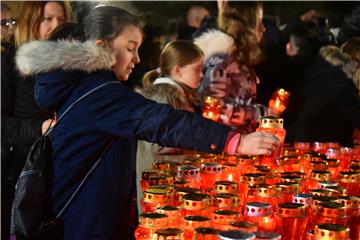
pixel 327 106
pixel 174 83
pixel 8 24
pixel 22 120
pixel 230 55
pixel 105 208
pixel 195 16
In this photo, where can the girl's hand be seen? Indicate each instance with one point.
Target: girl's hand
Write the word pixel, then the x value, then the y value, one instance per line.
pixel 257 143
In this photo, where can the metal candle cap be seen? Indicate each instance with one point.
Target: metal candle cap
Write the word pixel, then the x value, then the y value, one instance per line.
pixel 156 196
pixel 303 198
pixel 171 211
pixel 169 234
pixel 258 209
pixel 195 201
pixel 267 235
pixel 211 167
pixel 244 225
pixel 295 210
pixel 206 231
pixel 236 235
pixel 192 222
pixel 188 172
pixel 224 216
pixel 225 200
pixel 321 192
pixel 320 175
pixel 253 178
pixel 153 220
pixel 326 184
pixel 319 199
pixel 226 187
pixel 331 232
pixel 267 191
pixel 349 177
pixel 337 191
pixel 271 122
pixel 180 192
pixel 350 202
pixel 331 209
pixel 158 179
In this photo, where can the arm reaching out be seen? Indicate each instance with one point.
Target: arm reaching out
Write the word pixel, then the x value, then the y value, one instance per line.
pixel 257 143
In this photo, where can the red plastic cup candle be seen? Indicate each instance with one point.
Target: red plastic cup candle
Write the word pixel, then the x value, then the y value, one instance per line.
pixel 169 234
pixel 148 224
pixel 202 233
pixel 222 218
pixel 190 223
pixel 272 125
pixel 211 108
pixel 331 232
pixel 292 220
pixel 210 173
pixel 195 204
pixel 260 214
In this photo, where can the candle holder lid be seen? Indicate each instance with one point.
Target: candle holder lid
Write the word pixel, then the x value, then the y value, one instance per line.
pixel 171 211
pixel 349 177
pixel 224 216
pixel 244 225
pixel 331 232
pixel 211 167
pixel 226 187
pixel 268 191
pixel 192 222
pixel 337 190
pixel 331 209
pixel 303 198
pixel 153 220
pixel 327 183
pixel 267 235
pixel 225 200
pixel 271 122
pixel 149 172
pixel 206 231
pixel 334 163
pixel 156 196
pixel 319 175
pixel 195 201
pixel 319 199
pixel 253 178
pixel 236 235
pixel 295 210
pixel 258 209
pixel 321 192
pixel 169 234
pixel 289 187
pixel 350 202
pixel 188 172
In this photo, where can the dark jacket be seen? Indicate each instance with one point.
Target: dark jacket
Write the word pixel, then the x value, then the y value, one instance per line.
pixel 327 107
pixel 105 207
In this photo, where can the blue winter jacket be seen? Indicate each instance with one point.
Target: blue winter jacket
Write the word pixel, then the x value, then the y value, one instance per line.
pixel 105 207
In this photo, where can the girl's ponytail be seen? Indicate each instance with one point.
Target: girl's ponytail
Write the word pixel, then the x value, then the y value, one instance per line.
pixel 150 77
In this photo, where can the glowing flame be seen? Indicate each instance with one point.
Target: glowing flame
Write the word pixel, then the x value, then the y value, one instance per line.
pixel 277 103
pixel 230 178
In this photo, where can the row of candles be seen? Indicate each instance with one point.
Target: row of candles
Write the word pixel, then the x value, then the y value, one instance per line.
pixel 305 194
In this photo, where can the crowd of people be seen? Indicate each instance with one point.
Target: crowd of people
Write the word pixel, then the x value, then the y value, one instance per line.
pixel 48 63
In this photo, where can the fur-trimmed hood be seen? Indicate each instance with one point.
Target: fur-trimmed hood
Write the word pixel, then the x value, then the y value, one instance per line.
pixel 349 66
pixel 46 56
pixel 215 41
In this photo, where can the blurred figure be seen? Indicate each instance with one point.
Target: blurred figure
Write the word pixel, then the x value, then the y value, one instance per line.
pixel 351 26
pixel 231 53
pixel 194 18
pixel 23 121
pixel 174 83
pixel 8 24
pixel 327 106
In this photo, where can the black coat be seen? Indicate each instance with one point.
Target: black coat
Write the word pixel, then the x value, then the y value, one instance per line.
pixel 326 108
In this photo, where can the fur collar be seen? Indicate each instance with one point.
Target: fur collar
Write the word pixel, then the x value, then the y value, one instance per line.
pixel 349 66
pixel 45 56
pixel 215 41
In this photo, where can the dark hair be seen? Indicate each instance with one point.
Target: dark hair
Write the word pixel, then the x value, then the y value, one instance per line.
pixel 107 22
pixel 67 31
pixel 304 41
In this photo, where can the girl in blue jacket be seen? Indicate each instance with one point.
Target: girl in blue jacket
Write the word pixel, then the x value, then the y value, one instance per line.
pixel 105 208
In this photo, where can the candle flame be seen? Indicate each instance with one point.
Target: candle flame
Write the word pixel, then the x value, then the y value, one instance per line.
pixel 277 103
pixel 230 178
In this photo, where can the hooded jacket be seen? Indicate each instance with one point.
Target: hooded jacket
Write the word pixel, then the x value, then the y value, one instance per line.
pixel 235 84
pixel 105 208
pixel 327 106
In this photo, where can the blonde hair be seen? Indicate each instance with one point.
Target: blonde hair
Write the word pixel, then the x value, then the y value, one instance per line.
pixel 238 19
pixel 179 53
pixel 352 47
pixel 31 15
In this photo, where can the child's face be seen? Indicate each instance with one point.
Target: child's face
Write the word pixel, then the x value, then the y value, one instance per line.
pixel 126 46
pixel 191 74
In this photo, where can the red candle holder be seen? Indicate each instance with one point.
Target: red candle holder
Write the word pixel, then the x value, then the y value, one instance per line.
pixel 292 219
pixel 209 175
pixel 211 108
pixel 249 180
pixel 315 177
pixel 319 147
pixel 268 194
pixel 350 181
pixel 190 223
pixel 202 233
pixel 260 214
pixel 180 192
pixel 226 187
pixel 302 146
pixel 352 209
pixel 337 191
pixel 169 234
pixel 191 174
pixel 288 189
pixel 148 224
pixel 222 218
pixel 173 213
pixel 225 201
pixel 331 213
pixel 245 164
pixel 145 179
pixel 331 232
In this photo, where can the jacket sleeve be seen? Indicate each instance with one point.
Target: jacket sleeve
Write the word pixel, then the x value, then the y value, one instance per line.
pixel 130 115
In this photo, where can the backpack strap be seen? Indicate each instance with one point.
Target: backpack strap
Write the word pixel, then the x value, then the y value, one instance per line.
pixel 78 100
pixel 67 204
